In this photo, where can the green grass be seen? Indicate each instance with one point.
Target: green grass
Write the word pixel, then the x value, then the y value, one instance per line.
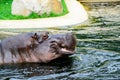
pixel 5 12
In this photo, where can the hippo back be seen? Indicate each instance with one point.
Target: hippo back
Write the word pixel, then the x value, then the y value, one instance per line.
pixel 0 48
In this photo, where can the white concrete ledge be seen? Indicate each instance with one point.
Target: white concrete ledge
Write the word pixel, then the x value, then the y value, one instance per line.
pixel 76 15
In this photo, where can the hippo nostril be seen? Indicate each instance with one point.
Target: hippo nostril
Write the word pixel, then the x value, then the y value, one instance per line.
pixel 54 48
pixel 53 45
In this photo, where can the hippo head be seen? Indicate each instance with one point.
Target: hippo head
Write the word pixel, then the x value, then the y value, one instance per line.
pixel 57 45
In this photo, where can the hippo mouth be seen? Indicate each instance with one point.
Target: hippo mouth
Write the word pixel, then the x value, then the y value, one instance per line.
pixel 66 52
pixel 60 49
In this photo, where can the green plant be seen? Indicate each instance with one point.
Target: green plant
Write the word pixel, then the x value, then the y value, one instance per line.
pixel 5 12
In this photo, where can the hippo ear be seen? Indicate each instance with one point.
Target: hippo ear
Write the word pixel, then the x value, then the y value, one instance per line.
pixel 45 35
pixel 35 36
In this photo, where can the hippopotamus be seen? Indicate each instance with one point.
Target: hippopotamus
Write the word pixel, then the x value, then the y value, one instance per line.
pixel 34 47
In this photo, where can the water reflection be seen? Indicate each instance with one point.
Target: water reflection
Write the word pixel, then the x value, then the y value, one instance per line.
pixel 25 71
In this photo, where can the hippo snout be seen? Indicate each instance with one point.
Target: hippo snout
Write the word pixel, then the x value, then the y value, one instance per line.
pixel 70 41
pixel 64 43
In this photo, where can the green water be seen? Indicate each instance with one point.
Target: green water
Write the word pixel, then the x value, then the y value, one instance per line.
pixel 97 54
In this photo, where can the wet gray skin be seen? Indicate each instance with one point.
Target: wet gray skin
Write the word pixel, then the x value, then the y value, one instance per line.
pixel 16 49
pixel 97 54
pixel 21 49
